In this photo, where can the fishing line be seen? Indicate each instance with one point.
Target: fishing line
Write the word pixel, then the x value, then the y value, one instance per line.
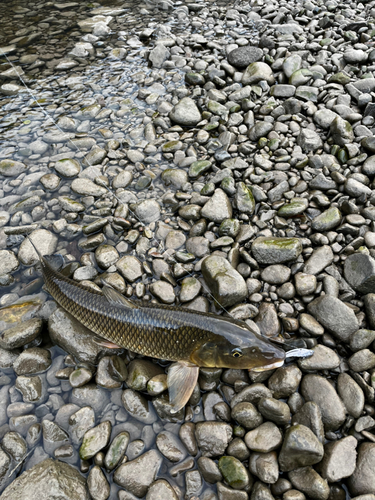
pixel 102 184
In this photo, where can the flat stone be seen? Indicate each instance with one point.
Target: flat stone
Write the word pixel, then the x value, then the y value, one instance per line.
pixel 218 207
pixel 185 113
pixel 317 389
pixel 328 220
pixel 359 272
pixel 362 481
pixel 319 260
pixel 225 283
pixel 307 480
pixel 300 448
pixel 265 438
pixel 256 72
pixel 95 440
pixel 243 56
pixel 323 358
pixel 339 459
pixel 12 168
pixel 48 480
pixel 276 250
pixel 138 475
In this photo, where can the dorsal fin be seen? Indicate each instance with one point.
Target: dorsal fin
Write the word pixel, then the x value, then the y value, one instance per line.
pixel 115 298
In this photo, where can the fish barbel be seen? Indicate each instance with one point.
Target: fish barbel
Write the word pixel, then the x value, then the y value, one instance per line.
pixel 191 339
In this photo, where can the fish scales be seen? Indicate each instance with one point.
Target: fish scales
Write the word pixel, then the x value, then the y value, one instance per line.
pixel 161 332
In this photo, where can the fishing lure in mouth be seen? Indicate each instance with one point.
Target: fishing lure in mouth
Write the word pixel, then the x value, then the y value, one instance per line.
pixel 190 339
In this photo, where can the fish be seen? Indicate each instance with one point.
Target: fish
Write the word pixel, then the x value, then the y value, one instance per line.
pixel 190 339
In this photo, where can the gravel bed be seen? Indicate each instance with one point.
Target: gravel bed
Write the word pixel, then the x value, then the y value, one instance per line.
pixel 217 156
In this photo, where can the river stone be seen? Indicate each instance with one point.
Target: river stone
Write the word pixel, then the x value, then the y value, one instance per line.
pixel 310 416
pixel 161 490
pixel 218 207
pixel 368 168
pixel 341 131
pixel 319 260
pixel 234 472
pixel 309 140
pixel 185 113
pixel 138 407
pixel 307 480
pixel 327 220
pixel 265 438
pixel 213 437
pixel 335 316
pixel 147 210
pixel 116 450
pixel 68 168
pixel 362 360
pixel 339 459
pixel 265 466
pixel 359 272
pixel 362 481
pixel 226 284
pixel 8 262
pixel 170 446
pixel 137 475
pixel 317 389
pixel 130 268
pixel 12 168
pixel 324 117
pixel 97 484
pixel 351 395
pixel 48 480
pixel 95 440
pixel 300 448
pixel 285 381
pixel 243 56
pixel 256 72
pixel 73 337
pixel 86 187
pixel 45 242
pixel 158 55
pixel 276 250
pixel 244 199
pixel 32 360
pixel 323 358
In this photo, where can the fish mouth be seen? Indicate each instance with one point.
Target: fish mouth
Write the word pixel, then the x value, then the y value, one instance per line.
pixel 272 366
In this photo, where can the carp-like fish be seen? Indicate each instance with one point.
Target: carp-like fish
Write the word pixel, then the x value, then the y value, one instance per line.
pixel 190 339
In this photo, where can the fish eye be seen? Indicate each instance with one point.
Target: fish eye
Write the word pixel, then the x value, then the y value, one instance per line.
pixel 237 353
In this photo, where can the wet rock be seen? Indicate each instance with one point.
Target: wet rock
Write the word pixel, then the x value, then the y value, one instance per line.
pixel 265 466
pixel 170 446
pixel 116 450
pixel 276 250
pixel 45 242
pixel 247 415
pixel 74 338
pixel 359 272
pixel 80 422
pixel 233 472
pixel 317 389
pixel 334 315
pixel 218 207
pixel 362 481
pixel 97 484
pixel 267 320
pixel 341 131
pixel 33 360
pixel 285 381
pixel 310 482
pixel 309 140
pixel 319 260
pixel 185 113
pixel 264 438
pixel 12 168
pixel 327 220
pixel 130 268
pixel 213 437
pixel 209 470
pixel 95 440
pixel 256 72
pixel 137 475
pixel 310 416
pixel 49 479
pixel 140 371
pixel 147 211
pixel 300 448
pixel 138 407
pixel 243 56
pixel 20 335
pixel 14 445
pixel 33 389
pixel 323 358
pixel 339 459
pixel 226 284
pixel 53 436
pixel 362 360
pixel 351 395
pixel 161 490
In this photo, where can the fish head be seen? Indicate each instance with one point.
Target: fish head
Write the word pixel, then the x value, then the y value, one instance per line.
pixel 237 347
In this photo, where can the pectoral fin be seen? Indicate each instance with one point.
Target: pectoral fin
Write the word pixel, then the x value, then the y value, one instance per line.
pixel 182 378
pixel 106 343
pixel 115 298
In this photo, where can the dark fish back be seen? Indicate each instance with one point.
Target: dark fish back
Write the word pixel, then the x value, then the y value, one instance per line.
pixel 161 332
